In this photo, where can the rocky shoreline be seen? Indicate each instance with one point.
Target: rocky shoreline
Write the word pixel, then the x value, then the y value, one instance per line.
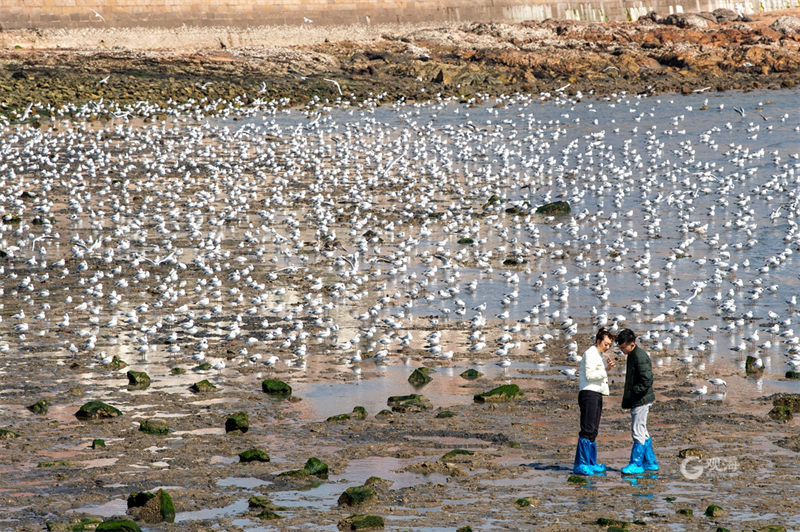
pixel 677 53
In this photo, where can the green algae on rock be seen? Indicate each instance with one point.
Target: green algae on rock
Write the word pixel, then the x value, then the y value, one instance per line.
pixel 685 453
pixel 268 515
pixel 359 413
pixel 471 374
pixel 118 525
pixel 117 364
pixel 153 426
pixel 793 375
pixel 138 379
pixel 506 392
pixel 791 401
pixel 751 367
pixel 338 417
pixel 276 387
pixel 409 403
pixel 419 377
pixel 263 503
pixel 444 414
pixel 688 512
pixel 526 502
pixel 97 410
pixel 204 386
pixel 781 413
pixel 457 452
pixel 98 443
pixel 577 479
pixel 714 511
pixel 238 421
pixel 75 525
pixel 39 407
pixel 557 207
pixel 152 507
pixel 361 522
pixel 316 467
pixel 357 495
pixel 253 455
pixel 55 463
pixel 6 434
pixel 177 371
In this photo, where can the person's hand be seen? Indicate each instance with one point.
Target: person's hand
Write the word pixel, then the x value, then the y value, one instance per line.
pixel 610 363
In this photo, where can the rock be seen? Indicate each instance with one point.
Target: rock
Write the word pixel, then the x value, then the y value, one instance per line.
pixel 337 418
pixel 457 452
pixel 361 522
pixel 268 515
pixel 384 414
pixel 750 366
pixel 76 391
pixel 685 453
pixel 253 455
pixel 772 528
pixel 357 495
pixel 714 511
pixel 98 443
pixel 577 479
pixel 263 503
pixel 97 410
pixel 466 240
pixel 55 463
pixel 378 481
pixel 445 414
pixel 205 366
pixel 276 387
pixel 419 377
pixel 6 434
pixel 781 413
pixel 152 507
pixel 557 207
pixel 685 511
pixel 494 199
pixel 202 387
pixel 118 525
pixel 793 375
pixel 788 25
pixel 116 364
pixel 692 21
pixel 507 392
pixel 78 523
pixel 527 502
pixel 316 467
pixel 178 371
pixel 466 528
pixel 605 521
pixel 39 407
pixel 790 401
pixel 471 374
pixel 138 379
pixel 238 421
pixel 153 426
pixel 409 403
pixel 722 529
pixel 359 413
pixel 725 15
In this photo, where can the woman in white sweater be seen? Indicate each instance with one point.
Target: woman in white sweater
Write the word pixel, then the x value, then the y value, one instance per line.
pixel 593 381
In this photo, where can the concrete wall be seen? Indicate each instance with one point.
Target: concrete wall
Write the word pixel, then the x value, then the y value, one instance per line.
pixel 19 14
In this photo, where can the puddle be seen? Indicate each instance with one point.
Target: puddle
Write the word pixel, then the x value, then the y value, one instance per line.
pixel 109 509
pixel 238 507
pixel 242 482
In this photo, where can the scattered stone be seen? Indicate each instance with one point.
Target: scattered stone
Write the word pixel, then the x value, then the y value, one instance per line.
pixel 98 443
pixel 457 452
pixel 577 479
pixel 153 426
pixel 409 403
pixel 39 407
pixel 118 525
pixel 605 521
pixel 528 502
pixel 337 418
pixel 276 387
pixel 714 511
pixel 685 511
pixel 97 410
pixel 6 434
pixel 178 371
pixel 507 392
pixel 152 507
pixel 781 413
pixel 445 414
pixel 361 522
pixel 138 379
pixel 253 455
pixel 791 443
pixel 790 401
pixel 419 377
pixel 238 421
pixel 557 207
pixel 359 413
pixel 204 386
pixel 685 453
pixel 75 524
pixel 357 495
pixel 471 374
pixel 264 503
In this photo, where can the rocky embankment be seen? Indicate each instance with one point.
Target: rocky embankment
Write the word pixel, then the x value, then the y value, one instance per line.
pixel 677 53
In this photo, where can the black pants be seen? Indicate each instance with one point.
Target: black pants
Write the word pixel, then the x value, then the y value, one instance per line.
pixel 591 404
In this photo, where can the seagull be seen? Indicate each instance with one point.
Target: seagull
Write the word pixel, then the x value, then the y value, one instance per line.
pixel 717 382
pixel 701 391
pixel 96 14
pixel 335 83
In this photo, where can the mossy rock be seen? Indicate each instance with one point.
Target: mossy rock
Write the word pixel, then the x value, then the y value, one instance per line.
pixel 205 366
pixel 577 479
pixel 264 504
pixel 6 434
pixel 444 414
pixel 361 522
pixel 295 473
pixel 253 455
pixel 409 403
pixel 55 463
pixel 268 515
pixel 153 426
pixel 772 528
pixel 202 387
pixel 359 413
pixel 357 495
pixel 118 525
pixel 722 529
pixel 466 528
pixel 316 467
pixel 527 502
pixel 471 374
pixel 276 387
pixel 457 452
pixel 781 413
pixel 75 525
pixel 492 200
pixel 605 521
pixel 97 410
pixel 793 375
pixel 557 207
pixel 419 378
pixel 750 366
pixel 466 240
pixel 384 414
pixel 685 511
pixel 39 407
pixel 791 401
pixel 507 392
pixel 670 499
pixel 378 481
pixel 153 507
pixel 714 511
pixel 338 418
pixel 116 364
pixel 178 371
pixel 98 443
pixel 138 379
pixel 686 453
pixel 238 421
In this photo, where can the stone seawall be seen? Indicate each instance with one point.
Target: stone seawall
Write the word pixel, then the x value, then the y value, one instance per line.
pixel 29 14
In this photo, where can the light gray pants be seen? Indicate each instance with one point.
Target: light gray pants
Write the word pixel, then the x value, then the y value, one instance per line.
pixel 639 423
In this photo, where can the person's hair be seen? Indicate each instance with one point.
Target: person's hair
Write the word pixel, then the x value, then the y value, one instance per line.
pixel 625 336
pixel 603 333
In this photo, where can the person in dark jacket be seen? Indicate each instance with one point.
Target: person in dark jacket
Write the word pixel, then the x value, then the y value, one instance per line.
pixel 638 396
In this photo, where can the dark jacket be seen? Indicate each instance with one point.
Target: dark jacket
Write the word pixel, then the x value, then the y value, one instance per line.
pixel 638 380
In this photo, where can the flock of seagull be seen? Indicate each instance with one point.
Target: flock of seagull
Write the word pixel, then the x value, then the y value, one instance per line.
pixel 366 230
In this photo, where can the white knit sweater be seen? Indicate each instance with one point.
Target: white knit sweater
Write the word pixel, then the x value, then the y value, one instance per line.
pixel 592 375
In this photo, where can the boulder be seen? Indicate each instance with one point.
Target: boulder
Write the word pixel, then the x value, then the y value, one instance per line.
pixel 507 392
pixel 359 413
pixel 725 15
pixel 238 421
pixel 39 407
pixel 316 467
pixel 361 522
pixel 98 443
pixel 152 507
pixel 153 426
pixel 788 25
pixel 419 377
pixel 357 495
pixel 118 525
pixel 337 418
pixel 138 379
pixel 781 413
pixel 791 401
pixel 687 512
pixel 714 511
pixel 253 455
pixel 471 374
pixel 409 403
pixel 276 387
pixel 793 375
pixel 444 414
pixel 116 364
pixel 263 503
pixel 692 21
pixel 97 410
pixel 557 207
pixel 202 387
pixel 77 523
